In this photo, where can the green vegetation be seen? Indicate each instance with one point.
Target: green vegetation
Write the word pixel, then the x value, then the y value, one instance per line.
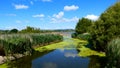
pixel 106 28
pixel 83 26
pixel 99 35
pixel 30 30
pixel 19 43
pixel 3 66
pixel 60 45
pixel 85 52
pixel 45 39
pixel 15 44
pixel 113 54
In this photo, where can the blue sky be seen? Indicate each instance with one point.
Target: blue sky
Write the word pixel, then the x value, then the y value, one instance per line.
pixel 49 14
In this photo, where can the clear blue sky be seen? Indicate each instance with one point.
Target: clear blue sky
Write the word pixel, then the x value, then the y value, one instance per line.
pixel 49 14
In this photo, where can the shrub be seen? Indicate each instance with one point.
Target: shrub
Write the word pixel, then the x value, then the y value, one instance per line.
pixel 106 28
pixel 74 35
pixel 15 44
pixel 113 53
pixel 84 36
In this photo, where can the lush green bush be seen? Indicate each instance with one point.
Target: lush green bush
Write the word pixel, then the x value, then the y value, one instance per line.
pixel 83 26
pixel 84 36
pixel 16 44
pixel 74 35
pixel 113 53
pixel 106 28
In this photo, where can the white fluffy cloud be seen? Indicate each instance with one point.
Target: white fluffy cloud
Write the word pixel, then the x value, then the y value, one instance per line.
pixel 69 8
pixel 59 15
pixel 59 18
pixel 92 17
pixel 39 15
pixel 20 6
pixel 64 20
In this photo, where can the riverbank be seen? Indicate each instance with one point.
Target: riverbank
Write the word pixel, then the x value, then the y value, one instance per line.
pixel 68 43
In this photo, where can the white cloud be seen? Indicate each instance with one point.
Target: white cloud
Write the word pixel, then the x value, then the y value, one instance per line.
pixel 64 20
pixel 20 6
pixel 69 8
pixel 59 15
pixel 39 15
pixel 46 0
pixel 18 21
pixel 92 17
pixel 31 2
pixel 11 15
pixel 59 18
pixel 22 21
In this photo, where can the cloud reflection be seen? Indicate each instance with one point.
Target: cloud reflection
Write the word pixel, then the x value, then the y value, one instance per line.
pixel 49 65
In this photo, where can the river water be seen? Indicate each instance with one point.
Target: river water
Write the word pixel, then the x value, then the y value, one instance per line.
pixel 59 58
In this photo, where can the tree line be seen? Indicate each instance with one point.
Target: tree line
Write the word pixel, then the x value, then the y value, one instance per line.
pixel 103 34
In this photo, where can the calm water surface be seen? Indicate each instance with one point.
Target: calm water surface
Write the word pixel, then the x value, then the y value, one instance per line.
pixel 59 58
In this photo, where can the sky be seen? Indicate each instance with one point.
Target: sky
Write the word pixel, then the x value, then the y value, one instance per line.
pixel 49 14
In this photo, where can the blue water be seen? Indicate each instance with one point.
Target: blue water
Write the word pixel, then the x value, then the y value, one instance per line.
pixel 61 59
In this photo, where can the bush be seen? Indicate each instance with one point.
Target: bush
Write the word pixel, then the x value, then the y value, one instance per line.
pixel 74 35
pixel 84 36
pixel 113 53
pixel 83 26
pixel 106 28
pixel 15 44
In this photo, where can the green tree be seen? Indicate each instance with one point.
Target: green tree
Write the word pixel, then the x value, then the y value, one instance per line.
pixel 14 31
pixel 83 25
pixel 30 30
pixel 106 28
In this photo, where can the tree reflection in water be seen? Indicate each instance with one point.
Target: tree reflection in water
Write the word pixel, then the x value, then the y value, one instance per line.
pixel 26 62
pixel 97 62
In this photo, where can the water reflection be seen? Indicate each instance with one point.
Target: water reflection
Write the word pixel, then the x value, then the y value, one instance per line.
pixel 97 62
pixel 26 62
pixel 68 53
pixel 49 65
pixel 61 59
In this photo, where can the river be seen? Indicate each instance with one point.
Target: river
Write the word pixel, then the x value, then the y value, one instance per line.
pixel 58 58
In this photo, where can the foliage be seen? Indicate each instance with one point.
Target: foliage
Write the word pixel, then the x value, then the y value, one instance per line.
pixel 22 43
pixel 85 36
pixel 14 31
pixel 16 44
pixel 106 28
pixel 83 26
pixel 30 30
pixel 113 53
pixel 74 35
pixel 45 39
